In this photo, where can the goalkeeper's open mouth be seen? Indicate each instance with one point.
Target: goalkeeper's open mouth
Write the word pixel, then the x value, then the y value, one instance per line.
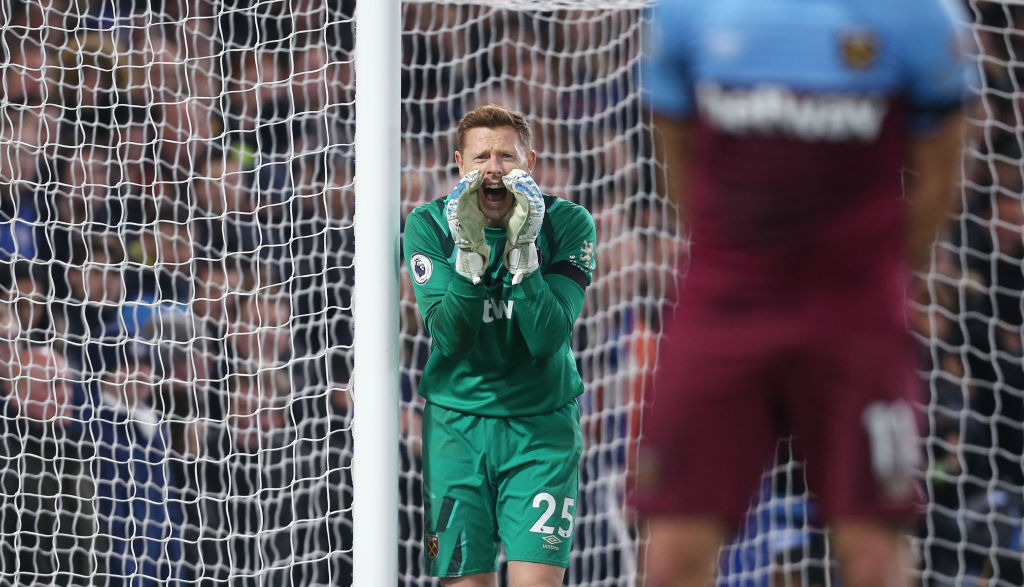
pixel 493 196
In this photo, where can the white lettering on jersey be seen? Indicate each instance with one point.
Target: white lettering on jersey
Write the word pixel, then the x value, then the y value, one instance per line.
pixel 496 310
pixel 772 109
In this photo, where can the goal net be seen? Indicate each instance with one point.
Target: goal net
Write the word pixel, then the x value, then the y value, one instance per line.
pixel 178 261
pixel 176 182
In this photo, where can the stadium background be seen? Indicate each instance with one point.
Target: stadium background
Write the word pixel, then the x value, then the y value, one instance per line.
pixel 176 345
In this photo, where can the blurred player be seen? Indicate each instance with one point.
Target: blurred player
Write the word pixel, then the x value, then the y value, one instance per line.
pixel 499 271
pixel 792 122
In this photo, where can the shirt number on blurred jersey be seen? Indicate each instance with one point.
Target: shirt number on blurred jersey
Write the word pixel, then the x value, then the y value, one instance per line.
pixel 894 452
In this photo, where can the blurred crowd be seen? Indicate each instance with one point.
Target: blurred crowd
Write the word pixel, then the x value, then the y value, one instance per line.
pixel 175 242
pixel 176 255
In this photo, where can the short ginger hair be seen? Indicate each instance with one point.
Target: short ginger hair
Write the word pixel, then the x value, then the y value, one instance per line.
pixel 494 116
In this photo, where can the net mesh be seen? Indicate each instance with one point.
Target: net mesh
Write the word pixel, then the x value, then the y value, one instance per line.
pixel 176 191
pixel 176 334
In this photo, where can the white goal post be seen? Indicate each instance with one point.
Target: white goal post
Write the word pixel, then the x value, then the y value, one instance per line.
pixel 375 432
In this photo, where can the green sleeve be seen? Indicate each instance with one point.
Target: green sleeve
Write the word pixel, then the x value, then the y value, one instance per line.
pixel 549 301
pixel 450 304
pixel 546 312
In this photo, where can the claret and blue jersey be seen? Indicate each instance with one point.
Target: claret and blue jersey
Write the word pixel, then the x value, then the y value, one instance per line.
pixel 895 49
pixel 796 120
pixel 802 111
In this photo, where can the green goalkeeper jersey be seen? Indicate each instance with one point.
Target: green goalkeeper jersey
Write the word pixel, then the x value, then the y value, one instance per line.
pixel 499 349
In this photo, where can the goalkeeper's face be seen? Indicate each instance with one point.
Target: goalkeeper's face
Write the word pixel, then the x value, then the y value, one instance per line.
pixel 494 152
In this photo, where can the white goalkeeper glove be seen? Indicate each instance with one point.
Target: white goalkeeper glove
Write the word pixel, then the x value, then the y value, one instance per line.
pixel 466 222
pixel 524 224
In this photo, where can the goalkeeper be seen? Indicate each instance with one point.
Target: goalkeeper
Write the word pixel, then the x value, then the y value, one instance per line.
pixel 499 271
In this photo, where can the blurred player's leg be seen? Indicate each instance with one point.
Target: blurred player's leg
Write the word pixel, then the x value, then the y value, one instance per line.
pixel 871 554
pixel 681 551
pixel 857 430
pixel 715 392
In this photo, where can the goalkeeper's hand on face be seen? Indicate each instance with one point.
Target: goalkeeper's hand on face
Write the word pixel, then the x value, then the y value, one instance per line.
pixel 466 223
pixel 523 224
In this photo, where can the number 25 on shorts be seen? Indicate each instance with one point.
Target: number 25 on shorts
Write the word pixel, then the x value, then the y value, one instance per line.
pixel 548 503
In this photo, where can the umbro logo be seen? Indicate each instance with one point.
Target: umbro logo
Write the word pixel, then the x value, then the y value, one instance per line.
pixel 552 539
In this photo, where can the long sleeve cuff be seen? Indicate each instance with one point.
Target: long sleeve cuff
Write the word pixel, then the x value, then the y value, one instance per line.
pixel 531 286
pixel 465 288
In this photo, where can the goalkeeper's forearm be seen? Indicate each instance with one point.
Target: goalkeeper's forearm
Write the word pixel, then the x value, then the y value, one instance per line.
pixel 547 312
pixel 454 321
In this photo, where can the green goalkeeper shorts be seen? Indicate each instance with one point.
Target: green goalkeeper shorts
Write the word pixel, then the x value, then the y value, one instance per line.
pixel 493 481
